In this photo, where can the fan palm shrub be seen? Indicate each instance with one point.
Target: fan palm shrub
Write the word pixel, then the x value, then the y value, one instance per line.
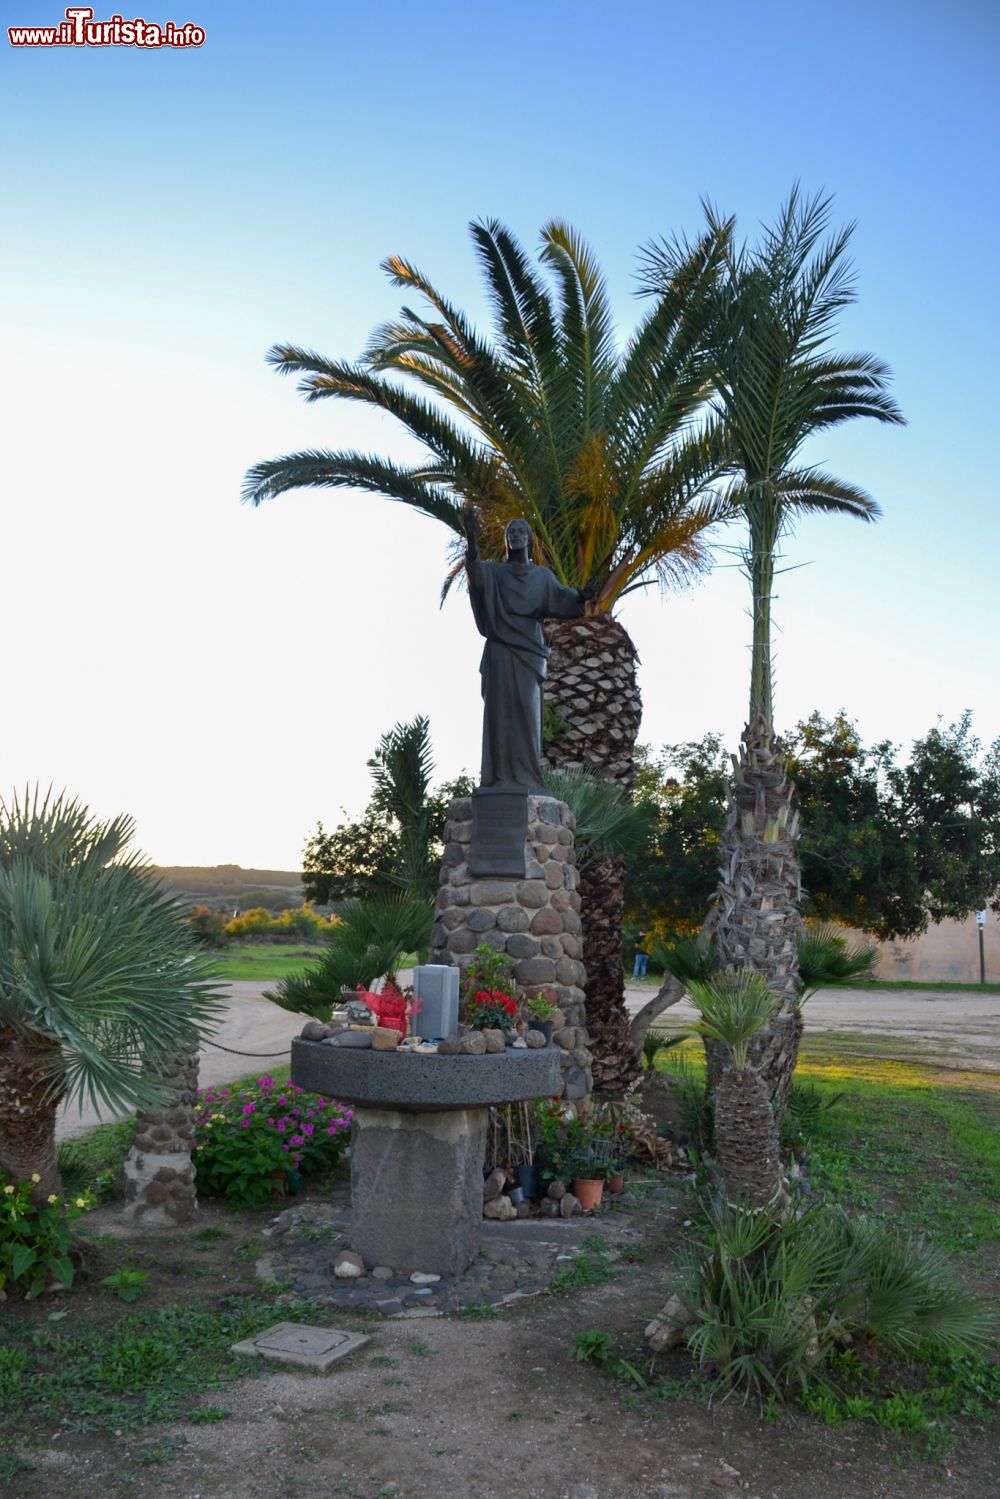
pixel 101 986
pixel 733 1006
pixel 769 1304
pixel 602 449
pixel 777 383
pixel 828 957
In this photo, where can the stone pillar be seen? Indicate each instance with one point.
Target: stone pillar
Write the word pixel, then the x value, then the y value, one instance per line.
pixel 417 1188
pixel 534 920
pixel 159 1170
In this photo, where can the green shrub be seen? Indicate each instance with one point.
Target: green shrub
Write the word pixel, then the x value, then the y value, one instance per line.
pixel 249 1141
pixel 127 1283
pixel 370 939
pixel 772 1303
pixel 91 1164
pixel 688 1084
pixel 35 1238
pixel 805 1108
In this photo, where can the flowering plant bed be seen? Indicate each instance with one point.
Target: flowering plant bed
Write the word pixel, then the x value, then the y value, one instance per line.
pixel 248 1139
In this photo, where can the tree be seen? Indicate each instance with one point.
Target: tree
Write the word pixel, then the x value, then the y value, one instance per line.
pixel 397 842
pixel 602 451
pixel 777 383
pixel 670 882
pixel 888 844
pixel 101 987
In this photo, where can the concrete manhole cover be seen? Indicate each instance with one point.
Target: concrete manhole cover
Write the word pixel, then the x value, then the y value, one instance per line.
pixel 297 1343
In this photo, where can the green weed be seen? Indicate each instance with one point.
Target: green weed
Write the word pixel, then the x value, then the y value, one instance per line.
pixel 591 1267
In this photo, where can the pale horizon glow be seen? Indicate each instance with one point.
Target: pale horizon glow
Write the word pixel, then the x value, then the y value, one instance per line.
pixel 223 674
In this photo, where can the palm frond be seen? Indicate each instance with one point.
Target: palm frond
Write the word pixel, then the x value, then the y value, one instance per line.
pixel 323 470
pixel 733 1005
pixel 828 957
pixel 608 823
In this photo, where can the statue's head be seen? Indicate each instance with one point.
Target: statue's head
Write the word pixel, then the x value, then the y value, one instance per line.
pixel 519 538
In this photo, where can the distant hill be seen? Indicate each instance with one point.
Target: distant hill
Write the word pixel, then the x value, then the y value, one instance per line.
pixel 233 887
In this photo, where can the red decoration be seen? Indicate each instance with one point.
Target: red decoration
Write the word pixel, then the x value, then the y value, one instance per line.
pixel 391 1009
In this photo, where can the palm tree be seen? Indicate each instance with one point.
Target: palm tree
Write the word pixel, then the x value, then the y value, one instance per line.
pixel 100 987
pixel 402 767
pixel 609 825
pixel 733 1007
pixel 605 452
pixel 777 383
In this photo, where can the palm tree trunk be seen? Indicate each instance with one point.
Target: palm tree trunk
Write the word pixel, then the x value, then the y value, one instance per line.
pixel 592 704
pixel 615 1064
pixel 746 1141
pixel 592 714
pixel 27 1115
pixel 755 922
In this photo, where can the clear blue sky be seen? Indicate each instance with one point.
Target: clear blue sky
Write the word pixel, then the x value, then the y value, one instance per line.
pixel 171 214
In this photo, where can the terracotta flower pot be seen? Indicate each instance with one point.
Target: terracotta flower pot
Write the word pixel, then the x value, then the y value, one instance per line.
pixel 616 1182
pixel 588 1192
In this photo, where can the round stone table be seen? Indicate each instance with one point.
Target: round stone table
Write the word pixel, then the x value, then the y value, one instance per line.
pixel 418 1142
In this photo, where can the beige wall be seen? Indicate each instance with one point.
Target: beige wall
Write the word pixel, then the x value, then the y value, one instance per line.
pixel 946 952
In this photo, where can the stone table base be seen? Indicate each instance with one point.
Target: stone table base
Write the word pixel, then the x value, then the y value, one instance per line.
pixel 417 1187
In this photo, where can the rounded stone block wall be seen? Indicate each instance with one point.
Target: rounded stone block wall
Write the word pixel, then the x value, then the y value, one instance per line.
pixel 534 920
pixel 159 1170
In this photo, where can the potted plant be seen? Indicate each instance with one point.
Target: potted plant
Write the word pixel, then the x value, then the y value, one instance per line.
pixel 490 1009
pixel 578 1151
pixel 540 1013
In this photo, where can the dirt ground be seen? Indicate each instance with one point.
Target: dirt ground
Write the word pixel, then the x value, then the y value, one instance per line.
pixel 953 1028
pixel 473 1409
pixel 442 1406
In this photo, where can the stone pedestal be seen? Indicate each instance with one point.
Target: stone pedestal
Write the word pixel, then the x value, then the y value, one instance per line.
pixel 534 920
pixel 417 1188
pixel 418 1142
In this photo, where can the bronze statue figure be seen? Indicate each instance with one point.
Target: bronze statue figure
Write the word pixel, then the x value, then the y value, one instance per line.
pixel 509 601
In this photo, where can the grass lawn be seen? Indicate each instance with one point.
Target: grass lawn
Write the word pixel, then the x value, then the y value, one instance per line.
pixel 268 961
pixel 904 1141
pixel 654 981
pixel 265 961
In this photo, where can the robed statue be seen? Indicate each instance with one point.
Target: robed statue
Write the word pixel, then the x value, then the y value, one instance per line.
pixel 509 601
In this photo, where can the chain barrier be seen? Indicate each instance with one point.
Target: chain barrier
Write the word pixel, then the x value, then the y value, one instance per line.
pixel 264 1055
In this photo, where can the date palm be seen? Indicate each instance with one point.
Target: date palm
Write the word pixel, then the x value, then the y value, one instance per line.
pixel 100 988
pixel 606 452
pixel 777 383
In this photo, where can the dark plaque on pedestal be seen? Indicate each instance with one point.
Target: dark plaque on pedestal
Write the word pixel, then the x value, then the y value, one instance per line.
pixel 499 828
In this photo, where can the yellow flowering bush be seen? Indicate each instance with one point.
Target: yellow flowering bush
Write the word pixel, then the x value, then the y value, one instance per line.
pixel 301 924
pixel 35 1237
